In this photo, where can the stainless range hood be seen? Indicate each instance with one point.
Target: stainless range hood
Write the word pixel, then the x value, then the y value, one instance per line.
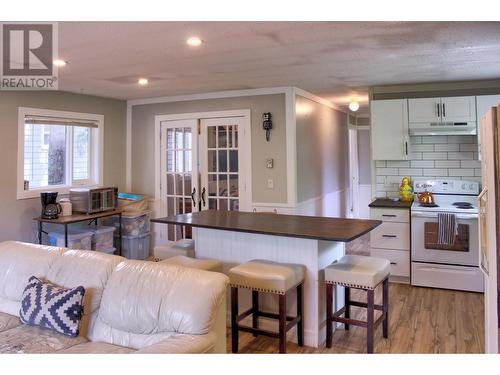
pixel 443 128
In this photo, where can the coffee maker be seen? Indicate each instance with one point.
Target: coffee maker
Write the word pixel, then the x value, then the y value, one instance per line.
pixel 50 208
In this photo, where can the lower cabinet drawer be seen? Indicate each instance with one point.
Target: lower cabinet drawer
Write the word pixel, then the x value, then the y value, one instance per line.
pixel 394 236
pixel 400 260
pixel 447 276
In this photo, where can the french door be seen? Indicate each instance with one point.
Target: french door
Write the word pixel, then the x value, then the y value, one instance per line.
pixel 205 164
pixel 221 163
pixel 179 172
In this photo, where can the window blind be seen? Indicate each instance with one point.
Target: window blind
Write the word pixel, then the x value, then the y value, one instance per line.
pixel 46 120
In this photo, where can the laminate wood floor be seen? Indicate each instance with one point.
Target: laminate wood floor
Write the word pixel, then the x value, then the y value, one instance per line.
pixel 421 320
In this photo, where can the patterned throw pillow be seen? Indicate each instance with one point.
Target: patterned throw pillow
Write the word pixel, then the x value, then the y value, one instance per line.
pixel 49 306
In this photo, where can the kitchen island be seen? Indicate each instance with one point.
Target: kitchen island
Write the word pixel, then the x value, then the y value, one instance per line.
pixel 315 242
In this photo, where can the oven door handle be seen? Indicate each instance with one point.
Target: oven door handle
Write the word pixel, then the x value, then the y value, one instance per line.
pixel 435 216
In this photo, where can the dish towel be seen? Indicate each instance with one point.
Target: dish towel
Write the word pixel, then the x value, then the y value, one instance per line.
pixel 447 229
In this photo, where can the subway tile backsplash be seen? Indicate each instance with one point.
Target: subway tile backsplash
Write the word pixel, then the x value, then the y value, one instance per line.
pixel 453 156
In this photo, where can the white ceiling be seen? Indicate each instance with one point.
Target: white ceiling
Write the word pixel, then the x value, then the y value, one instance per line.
pixel 336 60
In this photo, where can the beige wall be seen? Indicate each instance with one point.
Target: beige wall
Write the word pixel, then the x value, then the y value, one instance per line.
pixel 143 140
pixel 16 215
pixel 322 150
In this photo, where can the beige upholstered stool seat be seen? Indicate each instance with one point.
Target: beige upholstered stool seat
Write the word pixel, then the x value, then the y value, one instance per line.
pixel 182 247
pixel 266 276
pixel 358 271
pixel 201 264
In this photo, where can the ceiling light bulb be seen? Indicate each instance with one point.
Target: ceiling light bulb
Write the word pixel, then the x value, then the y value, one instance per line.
pixel 354 105
pixel 143 81
pixel 59 62
pixel 194 41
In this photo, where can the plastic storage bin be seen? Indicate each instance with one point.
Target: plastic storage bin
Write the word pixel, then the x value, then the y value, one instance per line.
pixel 132 204
pixel 79 239
pixel 102 237
pixel 135 247
pixel 131 225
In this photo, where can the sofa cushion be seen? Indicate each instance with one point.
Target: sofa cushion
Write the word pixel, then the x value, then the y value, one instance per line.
pixel 52 307
pixel 32 339
pixel 90 269
pixel 146 302
pixel 18 262
pixel 96 348
pixel 8 321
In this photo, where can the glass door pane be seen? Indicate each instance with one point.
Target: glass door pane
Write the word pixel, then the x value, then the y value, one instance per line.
pixel 179 180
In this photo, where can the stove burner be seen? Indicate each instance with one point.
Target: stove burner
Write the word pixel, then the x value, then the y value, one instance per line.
pixel 430 205
pixel 462 204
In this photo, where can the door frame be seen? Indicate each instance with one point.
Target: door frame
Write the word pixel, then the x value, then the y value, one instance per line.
pixel 246 146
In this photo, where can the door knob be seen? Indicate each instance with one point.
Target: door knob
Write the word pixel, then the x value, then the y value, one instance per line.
pixel 203 197
pixel 192 196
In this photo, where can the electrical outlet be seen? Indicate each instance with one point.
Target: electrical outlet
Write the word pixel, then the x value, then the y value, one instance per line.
pixel 270 184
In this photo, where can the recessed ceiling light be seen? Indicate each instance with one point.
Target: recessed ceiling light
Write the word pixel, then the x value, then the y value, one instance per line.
pixel 354 105
pixel 194 41
pixel 143 81
pixel 59 63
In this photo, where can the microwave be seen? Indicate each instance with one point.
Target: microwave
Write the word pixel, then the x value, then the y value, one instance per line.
pixel 93 200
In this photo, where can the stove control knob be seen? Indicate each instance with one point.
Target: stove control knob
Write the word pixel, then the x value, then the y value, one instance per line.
pixel 471 187
pixel 464 186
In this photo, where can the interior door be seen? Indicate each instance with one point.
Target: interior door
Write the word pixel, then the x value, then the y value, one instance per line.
pixel 353 173
pixel 224 164
pixel 179 173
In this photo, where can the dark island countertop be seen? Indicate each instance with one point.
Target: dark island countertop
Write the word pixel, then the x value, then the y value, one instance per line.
pixel 389 203
pixel 311 227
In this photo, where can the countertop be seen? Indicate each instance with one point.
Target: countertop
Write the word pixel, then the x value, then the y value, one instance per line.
pixel 389 203
pixel 78 217
pixel 311 227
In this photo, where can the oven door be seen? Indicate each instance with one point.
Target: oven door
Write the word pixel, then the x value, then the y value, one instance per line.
pixel 465 250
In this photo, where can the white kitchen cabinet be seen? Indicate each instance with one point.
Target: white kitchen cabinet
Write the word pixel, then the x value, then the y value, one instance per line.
pixel 424 110
pixel 390 137
pixel 442 110
pixel 391 240
pixel 484 104
pixel 458 109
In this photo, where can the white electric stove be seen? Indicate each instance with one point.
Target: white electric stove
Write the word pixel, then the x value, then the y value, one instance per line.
pixel 446 266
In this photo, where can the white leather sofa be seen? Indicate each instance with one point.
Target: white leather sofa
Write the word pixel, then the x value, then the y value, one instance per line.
pixel 130 306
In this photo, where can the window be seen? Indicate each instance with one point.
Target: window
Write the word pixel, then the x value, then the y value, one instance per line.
pixel 58 150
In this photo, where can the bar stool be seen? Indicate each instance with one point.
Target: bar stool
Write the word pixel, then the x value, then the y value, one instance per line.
pixel 267 277
pixel 184 247
pixel 201 264
pixel 358 272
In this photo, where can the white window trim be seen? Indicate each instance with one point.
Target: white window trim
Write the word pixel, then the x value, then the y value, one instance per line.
pixel 97 141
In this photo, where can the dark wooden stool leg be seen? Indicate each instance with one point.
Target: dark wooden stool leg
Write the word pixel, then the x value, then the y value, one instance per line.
pixel 300 308
pixel 347 301
pixel 234 319
pixel 369 320
pixel 282 322
pixel 385 308
pixel 329 313
pixel 255 311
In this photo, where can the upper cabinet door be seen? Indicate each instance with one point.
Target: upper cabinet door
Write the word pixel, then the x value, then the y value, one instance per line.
pixel 390 139
pixel 458 109
pixel 425 110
